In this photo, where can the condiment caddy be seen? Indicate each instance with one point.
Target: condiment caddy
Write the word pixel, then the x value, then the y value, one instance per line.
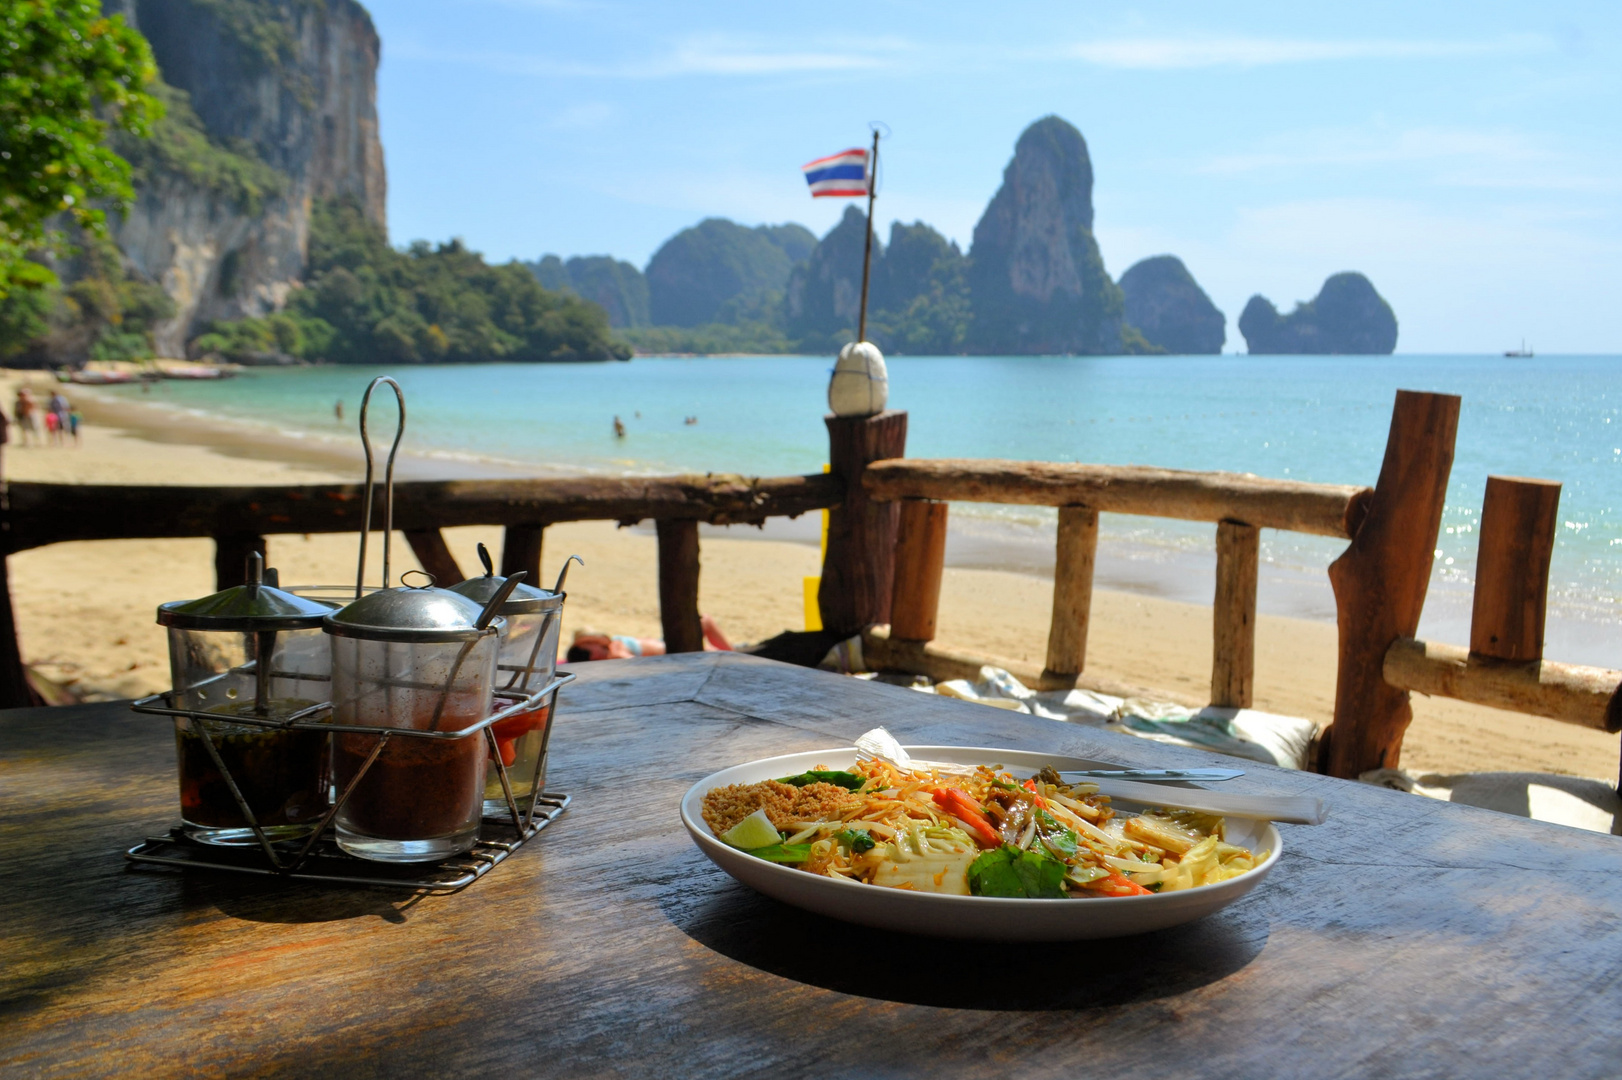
pixel 399 740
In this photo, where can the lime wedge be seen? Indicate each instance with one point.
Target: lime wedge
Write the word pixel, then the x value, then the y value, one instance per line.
pixel 754 831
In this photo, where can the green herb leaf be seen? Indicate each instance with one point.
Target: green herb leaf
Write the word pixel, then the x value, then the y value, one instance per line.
pixel 1009 871
pixel 848 780
pixel 858 840
pixel 783 853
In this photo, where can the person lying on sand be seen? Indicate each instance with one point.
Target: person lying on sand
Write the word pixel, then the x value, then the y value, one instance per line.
pixel 595 645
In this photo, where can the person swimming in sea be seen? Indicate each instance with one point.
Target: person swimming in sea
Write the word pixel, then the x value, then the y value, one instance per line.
pixel 619 428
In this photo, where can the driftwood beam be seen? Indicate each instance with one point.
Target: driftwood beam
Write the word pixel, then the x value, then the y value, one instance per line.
pixel 429 546
pixel 1380 582
pixel 1075 554
pixel 1574 693
pixel 1233 616
pixel 1518 522
pixel 42 514
pixel 920 560
pixel 678 586
pixel 231 557
pixel 1323 509
pixel 858 565
pixel 521 550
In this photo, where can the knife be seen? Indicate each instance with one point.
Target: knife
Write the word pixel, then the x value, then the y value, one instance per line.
pixel 1209 776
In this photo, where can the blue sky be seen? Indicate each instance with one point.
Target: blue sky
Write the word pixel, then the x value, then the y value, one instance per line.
pixel 1465 155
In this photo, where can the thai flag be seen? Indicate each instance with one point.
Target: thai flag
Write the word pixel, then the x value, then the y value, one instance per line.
pixel 844 173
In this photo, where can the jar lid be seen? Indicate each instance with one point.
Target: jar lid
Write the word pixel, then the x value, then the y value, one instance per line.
pixel 524 599
pixel 258 605
pixel 410 613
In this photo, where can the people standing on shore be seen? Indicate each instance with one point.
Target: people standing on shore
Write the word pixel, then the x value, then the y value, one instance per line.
pixel 74 422
pixel 25 412
pixel 56 417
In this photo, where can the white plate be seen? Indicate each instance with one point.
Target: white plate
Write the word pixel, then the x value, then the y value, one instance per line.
pixel 985 918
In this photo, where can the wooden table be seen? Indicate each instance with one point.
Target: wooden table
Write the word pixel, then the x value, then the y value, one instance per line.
pixel 1404 938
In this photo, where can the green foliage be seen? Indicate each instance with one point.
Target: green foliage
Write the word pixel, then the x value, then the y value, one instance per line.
pixel 106 313
pixel 24 319
pixel 752 339
pixel 366 302
pixel 1133 343
pixel 264 31
pixel 180 146
pixel 700 269
pixel 66 76
pixel 251 340
pixel 618 287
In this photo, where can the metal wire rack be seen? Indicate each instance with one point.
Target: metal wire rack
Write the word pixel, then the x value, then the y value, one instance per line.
pixel 317 856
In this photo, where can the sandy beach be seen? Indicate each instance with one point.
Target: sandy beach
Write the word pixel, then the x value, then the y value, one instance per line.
pixel 85 610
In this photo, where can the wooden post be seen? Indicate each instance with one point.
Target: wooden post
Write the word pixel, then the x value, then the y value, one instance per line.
pixel 678 585
pixel 231 559
pixel 1380 582
pixel 858 568
pixel 920 558
pixel 521 550
pixel 1075 556
pixel 15 691
pixel 435 555
pixel 1518 521
pixel 1233 615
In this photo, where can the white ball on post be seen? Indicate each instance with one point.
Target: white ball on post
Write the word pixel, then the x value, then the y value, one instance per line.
pixel 860 385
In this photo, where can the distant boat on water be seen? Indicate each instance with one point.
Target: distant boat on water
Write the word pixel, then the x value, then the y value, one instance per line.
pixel 1522 351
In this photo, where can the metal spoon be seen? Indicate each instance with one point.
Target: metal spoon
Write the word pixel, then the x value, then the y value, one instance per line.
pixel 1209 776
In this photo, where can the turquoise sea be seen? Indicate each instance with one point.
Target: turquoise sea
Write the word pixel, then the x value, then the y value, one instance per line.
pixel 1311 418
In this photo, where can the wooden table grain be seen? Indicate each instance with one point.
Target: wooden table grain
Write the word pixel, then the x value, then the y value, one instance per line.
pixel 1403 938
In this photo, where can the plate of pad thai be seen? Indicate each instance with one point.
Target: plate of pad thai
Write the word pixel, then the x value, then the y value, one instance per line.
pixel 970 842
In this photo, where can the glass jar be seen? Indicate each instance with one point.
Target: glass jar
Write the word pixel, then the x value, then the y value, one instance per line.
pixel 528 659
pixel 249 653
pixel 410 659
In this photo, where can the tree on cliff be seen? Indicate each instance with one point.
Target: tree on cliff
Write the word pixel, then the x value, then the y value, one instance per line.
pixel 1347 317
pixel 696 273
pixel 1167 306
pixel 1035 275
pixel 368 303
pixel 67 75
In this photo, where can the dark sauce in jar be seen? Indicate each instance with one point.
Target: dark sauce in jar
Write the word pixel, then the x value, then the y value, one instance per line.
pixel 417 789
pixel 282 775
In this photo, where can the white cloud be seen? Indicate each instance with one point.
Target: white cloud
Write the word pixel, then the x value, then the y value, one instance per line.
pixel 718 55
pixel 1461 157
pixel 1171 53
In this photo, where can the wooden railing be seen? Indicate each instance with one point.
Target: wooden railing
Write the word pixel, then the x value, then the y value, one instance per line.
pixel 886 548
pixel 239 518
pixel 1380 581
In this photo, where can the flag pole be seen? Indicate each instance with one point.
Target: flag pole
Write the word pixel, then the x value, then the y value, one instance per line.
pixel 867 252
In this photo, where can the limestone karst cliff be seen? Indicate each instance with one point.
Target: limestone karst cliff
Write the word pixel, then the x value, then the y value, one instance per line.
pixel 1036 278
pixel 1170 310
pixel 1347 316
pixel 284 87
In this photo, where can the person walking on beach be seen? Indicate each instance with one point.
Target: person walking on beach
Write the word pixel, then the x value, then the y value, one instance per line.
pixel 24 412
pixel 74 421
